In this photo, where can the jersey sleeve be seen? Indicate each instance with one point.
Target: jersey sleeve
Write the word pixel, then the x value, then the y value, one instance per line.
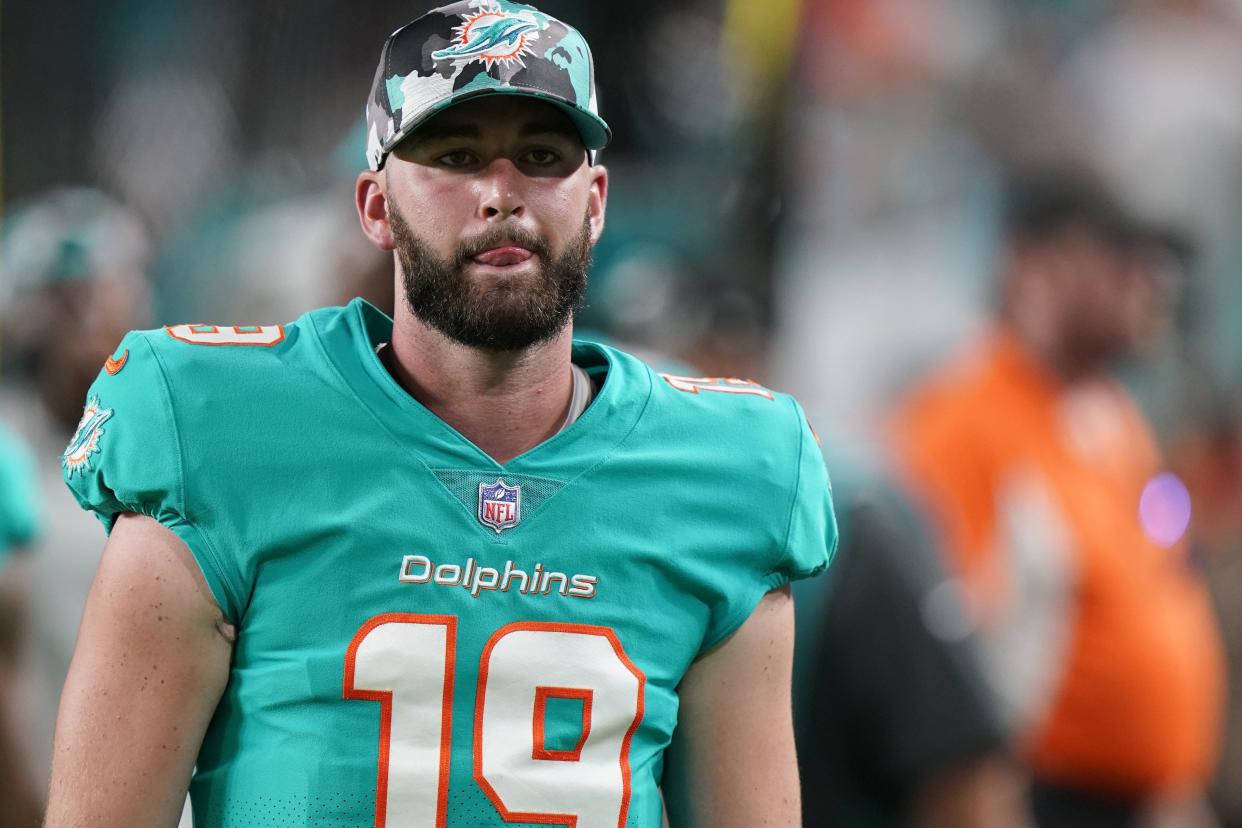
pixel 803 532
pixel 126 456
pixel 811 536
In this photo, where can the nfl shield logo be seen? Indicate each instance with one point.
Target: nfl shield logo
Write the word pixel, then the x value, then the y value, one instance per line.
pixel 500 505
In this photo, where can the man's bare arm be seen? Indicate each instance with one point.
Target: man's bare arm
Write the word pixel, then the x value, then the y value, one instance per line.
pixel 151 662
pixel 735 729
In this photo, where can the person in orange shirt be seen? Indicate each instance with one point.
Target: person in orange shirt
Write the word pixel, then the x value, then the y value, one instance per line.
pixel 1045 483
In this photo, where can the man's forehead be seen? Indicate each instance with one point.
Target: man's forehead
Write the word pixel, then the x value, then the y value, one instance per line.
pixel 497 113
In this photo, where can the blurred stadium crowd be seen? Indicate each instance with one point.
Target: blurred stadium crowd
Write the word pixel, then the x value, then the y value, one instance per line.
pixel 1036 612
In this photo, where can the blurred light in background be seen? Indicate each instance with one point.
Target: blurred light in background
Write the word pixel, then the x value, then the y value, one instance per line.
pixel 1164 509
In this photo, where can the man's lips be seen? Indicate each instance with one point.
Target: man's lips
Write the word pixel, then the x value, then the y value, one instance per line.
pixel 503 256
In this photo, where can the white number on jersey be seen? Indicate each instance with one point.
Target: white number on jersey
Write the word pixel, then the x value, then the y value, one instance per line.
pixel 405 661
pixel 228 334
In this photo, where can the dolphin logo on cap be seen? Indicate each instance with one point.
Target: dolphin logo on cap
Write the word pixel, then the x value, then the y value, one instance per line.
pixel 491 36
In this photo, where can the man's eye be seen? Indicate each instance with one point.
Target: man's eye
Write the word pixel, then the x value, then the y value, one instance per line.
pixel 456 158
pixel 542 157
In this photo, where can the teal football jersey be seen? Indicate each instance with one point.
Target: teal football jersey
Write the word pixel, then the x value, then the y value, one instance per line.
pixel 19 518
pixel 426 637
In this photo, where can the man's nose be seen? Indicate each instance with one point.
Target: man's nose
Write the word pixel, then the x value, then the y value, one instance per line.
pixel 501 196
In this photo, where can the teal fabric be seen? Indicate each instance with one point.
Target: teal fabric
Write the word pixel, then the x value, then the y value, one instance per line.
pixel 307 483
pixel 19 508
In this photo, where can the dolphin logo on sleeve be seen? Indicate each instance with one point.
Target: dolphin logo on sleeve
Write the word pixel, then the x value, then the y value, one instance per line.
pixel 85 440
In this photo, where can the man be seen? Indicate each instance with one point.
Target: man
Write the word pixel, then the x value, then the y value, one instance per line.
pixel 451 568
pixel 19 523
pixel 895 724
pixel 1100 639
pixel 73 259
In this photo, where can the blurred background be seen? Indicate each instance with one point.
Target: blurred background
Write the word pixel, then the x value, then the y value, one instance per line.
pixel 809 193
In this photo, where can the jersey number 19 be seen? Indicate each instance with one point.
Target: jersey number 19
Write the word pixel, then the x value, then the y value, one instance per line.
pixel 406 662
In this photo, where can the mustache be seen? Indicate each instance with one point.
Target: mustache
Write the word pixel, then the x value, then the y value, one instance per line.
pixel 501 237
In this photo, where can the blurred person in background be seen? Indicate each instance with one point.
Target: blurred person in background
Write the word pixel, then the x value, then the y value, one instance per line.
pixel 1207 455
pixel 1153 97
pixel 1099 636
pixel 73 265
pixel 895 722
pixel 20 805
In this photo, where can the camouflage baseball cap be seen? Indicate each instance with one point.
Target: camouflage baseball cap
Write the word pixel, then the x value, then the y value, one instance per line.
pixel 474 48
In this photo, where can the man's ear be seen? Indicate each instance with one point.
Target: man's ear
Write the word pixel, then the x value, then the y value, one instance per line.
pixel 597 201
pixel 372 204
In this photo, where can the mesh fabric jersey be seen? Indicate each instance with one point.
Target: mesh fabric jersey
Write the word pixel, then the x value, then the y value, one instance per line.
pixel 407 654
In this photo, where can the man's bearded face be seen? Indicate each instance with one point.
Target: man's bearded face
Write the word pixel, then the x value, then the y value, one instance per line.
pixel 500 313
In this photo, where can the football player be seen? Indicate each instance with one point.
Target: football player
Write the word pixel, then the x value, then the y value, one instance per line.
pixel 451 568
pixel 19 520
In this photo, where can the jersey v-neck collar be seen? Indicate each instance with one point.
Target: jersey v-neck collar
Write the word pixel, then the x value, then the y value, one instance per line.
pixel 351 335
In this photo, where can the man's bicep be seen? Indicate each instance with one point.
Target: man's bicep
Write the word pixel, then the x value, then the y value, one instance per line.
pixel 733 761
pixel 148 670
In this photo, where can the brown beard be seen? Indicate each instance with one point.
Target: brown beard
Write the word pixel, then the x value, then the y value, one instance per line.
pixel 506 316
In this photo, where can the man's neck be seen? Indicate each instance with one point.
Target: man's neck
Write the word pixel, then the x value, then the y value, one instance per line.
pixel 505 402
